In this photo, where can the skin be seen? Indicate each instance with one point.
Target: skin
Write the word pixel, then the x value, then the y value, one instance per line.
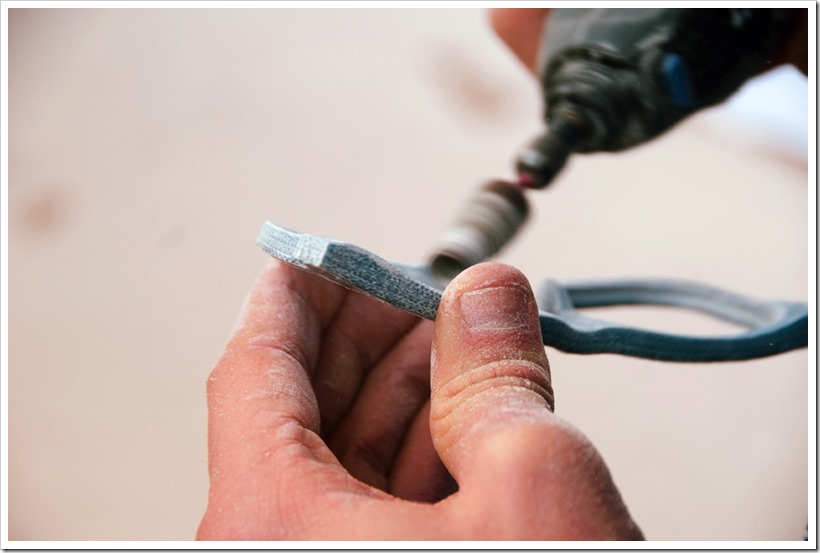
pixel 521 30
pixel 333 416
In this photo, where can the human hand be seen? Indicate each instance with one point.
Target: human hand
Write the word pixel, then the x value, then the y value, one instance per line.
pixel 321 424
pixel 521 29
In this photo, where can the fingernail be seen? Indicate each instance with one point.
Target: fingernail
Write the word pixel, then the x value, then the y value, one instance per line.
pixel 499 308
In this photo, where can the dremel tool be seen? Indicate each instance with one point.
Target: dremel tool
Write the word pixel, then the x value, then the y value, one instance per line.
pixel 614 78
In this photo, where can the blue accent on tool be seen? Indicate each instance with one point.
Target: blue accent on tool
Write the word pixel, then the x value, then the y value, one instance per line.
pixel 678 83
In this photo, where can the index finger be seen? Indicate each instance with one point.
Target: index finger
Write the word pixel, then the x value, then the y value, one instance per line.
pixel 261 382
pixel 263 417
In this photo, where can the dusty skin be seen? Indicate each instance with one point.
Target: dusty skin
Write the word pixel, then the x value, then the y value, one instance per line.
pixel 322 424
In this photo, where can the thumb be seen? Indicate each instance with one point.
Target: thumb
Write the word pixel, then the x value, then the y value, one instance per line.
pixel 532 475
pixel 489 369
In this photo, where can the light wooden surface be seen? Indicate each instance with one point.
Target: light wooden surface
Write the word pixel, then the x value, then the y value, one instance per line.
pixel 147 147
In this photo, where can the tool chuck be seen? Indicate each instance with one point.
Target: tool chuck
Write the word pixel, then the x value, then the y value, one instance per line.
pixel 485 224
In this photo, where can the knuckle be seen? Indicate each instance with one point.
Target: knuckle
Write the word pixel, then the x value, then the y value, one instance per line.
pixel 494 378
pixel 270 344
pixel 502 391
pixel 234 361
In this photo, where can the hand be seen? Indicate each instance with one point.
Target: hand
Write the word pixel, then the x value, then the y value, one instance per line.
pixel 321 424
pixel 521 29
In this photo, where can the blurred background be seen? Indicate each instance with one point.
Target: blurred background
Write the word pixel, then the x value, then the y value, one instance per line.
pixel 148 146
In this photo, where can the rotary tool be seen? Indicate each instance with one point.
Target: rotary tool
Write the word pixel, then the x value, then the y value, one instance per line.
pixel 613 78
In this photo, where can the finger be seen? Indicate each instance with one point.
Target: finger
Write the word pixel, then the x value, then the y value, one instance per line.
pixel 489 369
pixel 521 29
pixel 492 422
pixel 418 473
pixel 370 435
pixel 363 331
pixel 261 382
